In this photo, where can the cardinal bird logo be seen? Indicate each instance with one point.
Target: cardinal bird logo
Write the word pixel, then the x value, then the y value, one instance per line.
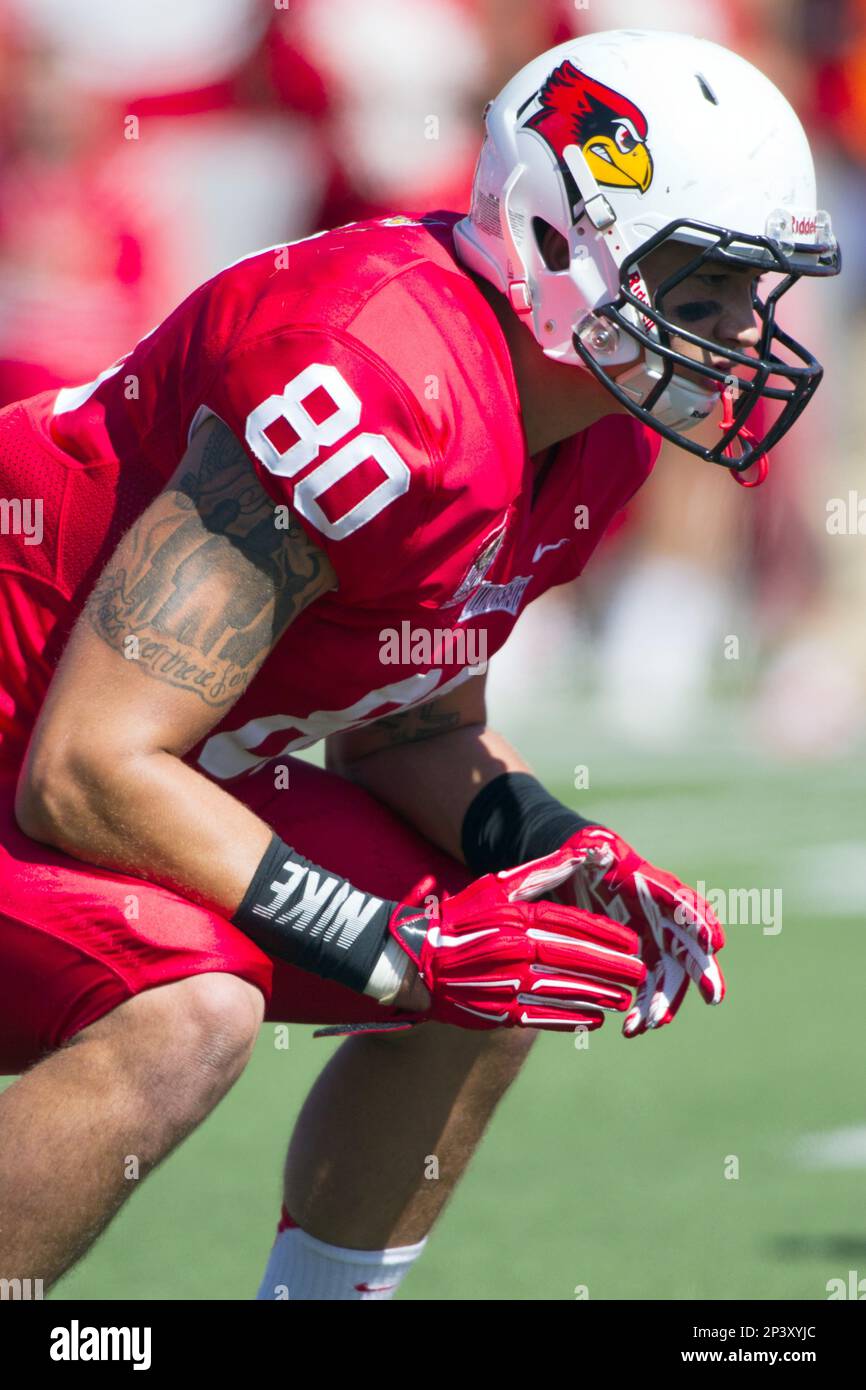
pixel 610 130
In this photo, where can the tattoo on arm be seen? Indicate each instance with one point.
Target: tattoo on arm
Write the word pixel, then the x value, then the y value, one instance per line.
pixel 420 722
pixel 208 578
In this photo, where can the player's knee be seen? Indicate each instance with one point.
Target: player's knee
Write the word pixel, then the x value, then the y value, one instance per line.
pixel 502 1049
pixel 213 1024
pixel 183 1044
pixel 217 1022
pixel 507 1048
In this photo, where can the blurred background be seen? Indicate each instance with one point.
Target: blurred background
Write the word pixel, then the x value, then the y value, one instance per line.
pixel 145 145
pixel 703 687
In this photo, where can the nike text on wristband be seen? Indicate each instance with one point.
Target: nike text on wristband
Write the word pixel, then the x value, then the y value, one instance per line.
pixel 512 820
pixel 314 919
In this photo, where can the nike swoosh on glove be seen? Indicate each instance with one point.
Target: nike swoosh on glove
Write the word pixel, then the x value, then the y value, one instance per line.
pixel 500 956
pixel 679 932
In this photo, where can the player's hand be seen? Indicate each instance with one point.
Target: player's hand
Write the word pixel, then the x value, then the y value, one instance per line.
pixel 679 932
pixel 494 956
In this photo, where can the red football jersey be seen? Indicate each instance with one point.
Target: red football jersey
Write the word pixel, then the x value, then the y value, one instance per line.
pixel 371 385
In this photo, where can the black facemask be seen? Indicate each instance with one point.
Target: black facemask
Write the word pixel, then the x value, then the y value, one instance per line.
pixel 792 381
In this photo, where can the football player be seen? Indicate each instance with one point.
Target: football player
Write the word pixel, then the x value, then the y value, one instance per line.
pixel 275 522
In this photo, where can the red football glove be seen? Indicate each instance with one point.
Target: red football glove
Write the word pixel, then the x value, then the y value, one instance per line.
pixel 679 931
pixel 493 958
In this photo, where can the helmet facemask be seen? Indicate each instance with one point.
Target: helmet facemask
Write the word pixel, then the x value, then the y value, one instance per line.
pixel 655 390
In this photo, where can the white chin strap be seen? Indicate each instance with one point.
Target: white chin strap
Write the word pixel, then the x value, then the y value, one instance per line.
pixel 681 406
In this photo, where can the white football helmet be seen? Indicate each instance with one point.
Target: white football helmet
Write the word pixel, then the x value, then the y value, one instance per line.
pixel 622 141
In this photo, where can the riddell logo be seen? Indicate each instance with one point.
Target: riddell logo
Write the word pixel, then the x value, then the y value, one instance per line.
pixel 635 284
pixel 638 289
pixel 804 226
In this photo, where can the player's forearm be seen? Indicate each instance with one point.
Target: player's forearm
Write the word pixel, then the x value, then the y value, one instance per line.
pixel 156 818
pixel 431 782
pixel 150 815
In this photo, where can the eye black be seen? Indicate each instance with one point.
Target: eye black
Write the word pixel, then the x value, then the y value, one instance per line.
pixel 696 310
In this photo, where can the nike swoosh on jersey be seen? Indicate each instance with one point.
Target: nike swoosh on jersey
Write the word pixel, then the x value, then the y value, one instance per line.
pixel 540 549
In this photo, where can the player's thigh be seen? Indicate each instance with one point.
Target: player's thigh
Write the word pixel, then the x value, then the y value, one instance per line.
pixel 76 942
pixel 341 826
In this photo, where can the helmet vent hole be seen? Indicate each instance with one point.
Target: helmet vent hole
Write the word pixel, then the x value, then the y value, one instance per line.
pixel 552 245
pixel 707 89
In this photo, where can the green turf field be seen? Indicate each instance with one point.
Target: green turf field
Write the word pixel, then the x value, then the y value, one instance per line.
pixel 605 1167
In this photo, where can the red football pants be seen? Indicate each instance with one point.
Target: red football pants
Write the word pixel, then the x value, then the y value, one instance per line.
pixel 76 940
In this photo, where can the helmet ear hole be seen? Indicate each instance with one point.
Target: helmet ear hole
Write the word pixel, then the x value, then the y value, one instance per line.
pixel 552 245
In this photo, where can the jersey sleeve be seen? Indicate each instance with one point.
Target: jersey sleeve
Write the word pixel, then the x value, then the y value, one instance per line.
pixel 337 437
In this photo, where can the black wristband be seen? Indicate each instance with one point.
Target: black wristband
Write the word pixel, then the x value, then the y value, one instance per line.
pixel 314 919
pixel 512 820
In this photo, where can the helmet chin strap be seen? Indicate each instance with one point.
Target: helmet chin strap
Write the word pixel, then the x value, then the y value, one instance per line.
pixel 761 464
pixel 684 405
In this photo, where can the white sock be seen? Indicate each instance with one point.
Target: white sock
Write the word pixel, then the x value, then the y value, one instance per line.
pixel 303 1268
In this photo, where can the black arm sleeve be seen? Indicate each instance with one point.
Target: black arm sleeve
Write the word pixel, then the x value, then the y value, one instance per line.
pixel 512 820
